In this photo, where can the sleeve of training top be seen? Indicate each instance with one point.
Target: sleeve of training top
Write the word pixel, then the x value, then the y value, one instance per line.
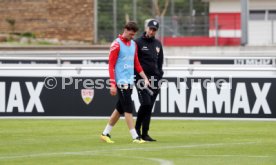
pixel 160 60
pixel 113 56
pixel 137 64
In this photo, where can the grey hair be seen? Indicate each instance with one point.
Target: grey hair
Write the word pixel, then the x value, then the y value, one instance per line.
pixel 146 22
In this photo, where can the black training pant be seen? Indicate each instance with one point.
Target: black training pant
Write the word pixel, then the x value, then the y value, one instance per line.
pixel 145 110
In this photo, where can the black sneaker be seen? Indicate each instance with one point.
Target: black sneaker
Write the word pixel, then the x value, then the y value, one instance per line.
pixel 148 138
pixel 138 132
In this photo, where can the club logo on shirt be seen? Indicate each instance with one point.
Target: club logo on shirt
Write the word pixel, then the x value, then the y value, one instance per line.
pixel 128 58
pixel 87 95
pixel 126 66
pixel 157 50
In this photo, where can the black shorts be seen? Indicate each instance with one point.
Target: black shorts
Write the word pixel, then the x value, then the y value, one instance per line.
pixel 124 103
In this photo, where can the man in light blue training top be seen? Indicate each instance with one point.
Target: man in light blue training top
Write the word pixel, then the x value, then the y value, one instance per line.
pixel 123 60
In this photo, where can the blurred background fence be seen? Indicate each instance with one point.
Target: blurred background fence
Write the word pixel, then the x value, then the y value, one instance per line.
pixel 179 17
pixel 183 22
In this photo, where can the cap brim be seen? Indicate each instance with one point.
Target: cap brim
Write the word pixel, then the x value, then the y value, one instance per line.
pixel 154 27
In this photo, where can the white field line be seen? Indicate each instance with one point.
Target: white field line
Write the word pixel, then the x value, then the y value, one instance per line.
pixel 158 160
pixel 102 151
pixel 249 156
pixel 88 153
pixel 184 146
pixel 161 161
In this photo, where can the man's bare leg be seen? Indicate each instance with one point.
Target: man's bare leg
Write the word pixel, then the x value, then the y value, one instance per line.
pixel 115 116
pixel 130 124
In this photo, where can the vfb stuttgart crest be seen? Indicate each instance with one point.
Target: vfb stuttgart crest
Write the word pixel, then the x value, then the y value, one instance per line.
pixel 157 50
pixel 87 95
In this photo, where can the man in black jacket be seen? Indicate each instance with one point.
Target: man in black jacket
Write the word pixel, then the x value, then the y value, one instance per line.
pixel 150 54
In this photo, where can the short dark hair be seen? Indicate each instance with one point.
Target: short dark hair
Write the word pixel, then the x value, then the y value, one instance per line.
pixel 131 26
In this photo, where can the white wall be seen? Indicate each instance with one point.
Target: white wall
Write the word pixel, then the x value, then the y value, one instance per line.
pixel 225 33
pixel 226 6
pixel 260 33
pixel 222 6
pixel 262 4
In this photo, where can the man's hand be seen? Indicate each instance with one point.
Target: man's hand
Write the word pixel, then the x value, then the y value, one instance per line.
pixel 147 83
pixel 146 80
pixel 113 90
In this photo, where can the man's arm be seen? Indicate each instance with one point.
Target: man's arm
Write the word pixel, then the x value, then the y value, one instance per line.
pixel 139 69
pixel 161 60
pixel 113 56
pixel 137 65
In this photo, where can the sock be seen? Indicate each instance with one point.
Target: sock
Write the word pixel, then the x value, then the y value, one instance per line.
pixel 133 133
pixel 107 129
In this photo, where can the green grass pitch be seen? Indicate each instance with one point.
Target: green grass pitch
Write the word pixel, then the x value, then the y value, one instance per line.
pixel 180 142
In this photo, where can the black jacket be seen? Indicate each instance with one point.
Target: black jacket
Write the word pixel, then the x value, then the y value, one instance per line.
pixel 150 54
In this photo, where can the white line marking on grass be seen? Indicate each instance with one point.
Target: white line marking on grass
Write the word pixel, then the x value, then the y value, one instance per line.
pixel 249 156
pixel 162 161
pixel 184 146
pixel 88 153
pixel 158 160
pixel 102 151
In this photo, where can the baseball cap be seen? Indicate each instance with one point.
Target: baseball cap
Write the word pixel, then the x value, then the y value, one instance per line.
pixel 153 24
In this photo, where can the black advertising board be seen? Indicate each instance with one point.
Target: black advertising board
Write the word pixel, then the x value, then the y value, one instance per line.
pixel 179 97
